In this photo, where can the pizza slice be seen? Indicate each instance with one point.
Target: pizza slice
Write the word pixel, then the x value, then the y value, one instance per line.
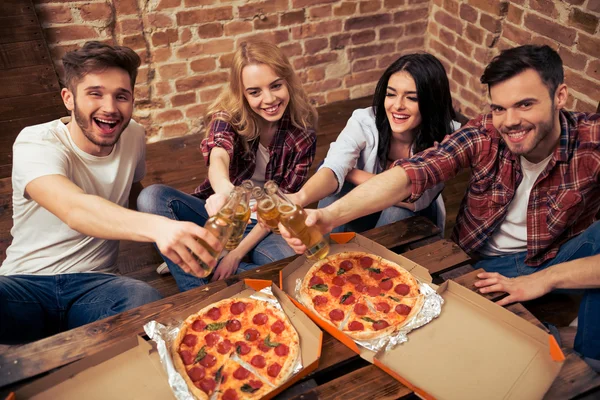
pixel 237 382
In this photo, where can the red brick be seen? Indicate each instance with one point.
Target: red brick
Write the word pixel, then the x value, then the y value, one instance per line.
pixel 338 42
pixel 141 93
pixel 175 130
pixel 218 46
pixel 309 61
pixel 370 50
pixel 203 65
pixel 308 3
pixel 442 50
pixel 388 4
pixel 468 65
pixel 338 95
pixel 70 32
pixel 165 38
pixel 200 81
pixel 361 78
pixel 369 6
pixel 95 11
pixel 550 29
pixel 164 4
pixel 183 99
pixel 583 20
pixel 211 30
pixel 475 85
pixel 470 113
pixel 417 1
pixel 171 71
pixel 570 102
pixel 186 35
pixel 363 65
pixel 209 95
pixel 470 96
pixel 575 2
pixel 195 17
pixel 492 24
pixel 197 3
pixel 235 28
pixel 582 84
pixel 515 14
pixel 363 37
pixel 406 45
pixel 387 60
pixel 129 26
pixel 593 69
pixel 320 11
pixel 159 20
pixel 263 7
pixel 546 7
pixel 412 15
pixel 468 13
pixel 125 7
pixel 276 37
pixel 475 34
pixel 494 7
pixel 168 116
pixel 542 40
pixel 226 60
pixel 481 55
pixel 464 46
pixel 589 45
pixel 447 37
pixel 54 13
pixel 292 49
pixel 316 99
pixel 449 21
pixel 417 28
pixel 573 60
pixel 57 52
pixel 292 18
pixel 451 6
pixel 196 111
pixel 372 21
pixel 516 35
pixel 316 29
pixel 594 6
pixel 266 22
pixel 391 32
pixel 323 86
pixel 584 106
pixel 433 29
pixel 459 77
pixel 313 46
pixel 344 9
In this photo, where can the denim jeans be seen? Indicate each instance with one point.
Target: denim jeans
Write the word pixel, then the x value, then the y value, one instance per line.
pixel 375 220
pixel 36 306
pixel 174 204
pixel 587 340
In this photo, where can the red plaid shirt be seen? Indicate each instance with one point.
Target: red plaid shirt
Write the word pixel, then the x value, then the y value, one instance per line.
pixel 291 154
pixel 564 199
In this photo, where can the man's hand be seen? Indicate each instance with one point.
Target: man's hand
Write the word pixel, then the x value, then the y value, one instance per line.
pixel 227 266
pixel 176 239
pixel 321 219
pixel 215 202
pixel 522 288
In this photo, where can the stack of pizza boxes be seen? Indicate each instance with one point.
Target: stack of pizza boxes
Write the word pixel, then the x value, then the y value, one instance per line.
pixel 474 349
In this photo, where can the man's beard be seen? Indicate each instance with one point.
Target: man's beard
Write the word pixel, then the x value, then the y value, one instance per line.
pixel 84 125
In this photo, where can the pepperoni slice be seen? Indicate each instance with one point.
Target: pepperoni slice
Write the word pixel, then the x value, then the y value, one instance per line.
pixel 277 327
pixel 263 347
pixel 198 325
pixel 320 300
pixel 346 265
pixel 282 350
pixel 328 269
pixel 391 272
pixel 273 370
pixel 237 308
pixel 260 319
pixel 315 280
pixel 356 326
pixel 366 262
pixel 187 357
pixel 255 384
pixel 383 307
pixel 336 315
pixel 241 373
pixel 190 340
pixel 242 348
pixel 361 288
pixel 373 291
pixel 196 373
pixel 230 394
pixel 339 281
pixel 258 361
pixel 251 334
pixel 349 300
pixel 207 385
pixel 233 325
pixel 361 309
pixel 402 289
pixel 386 285
pixel 376 275
pixel 336 291
pixel 379 325
pixel 214 313
pixel 208 361
pixel 355 279
pixel 212 338
pixel 403 309
pixel 224 347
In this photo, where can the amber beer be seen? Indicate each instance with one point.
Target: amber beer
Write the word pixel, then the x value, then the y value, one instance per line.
pixel 241 216
pixel 292 216
pixel 266 208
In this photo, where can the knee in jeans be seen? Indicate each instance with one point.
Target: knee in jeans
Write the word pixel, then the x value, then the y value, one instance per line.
pixel 140 293
pixel 149 197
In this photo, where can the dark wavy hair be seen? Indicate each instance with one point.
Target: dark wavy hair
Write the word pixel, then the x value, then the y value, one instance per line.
pixel 435 102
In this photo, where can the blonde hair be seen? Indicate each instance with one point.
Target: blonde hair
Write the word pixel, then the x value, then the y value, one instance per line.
pixel 231 105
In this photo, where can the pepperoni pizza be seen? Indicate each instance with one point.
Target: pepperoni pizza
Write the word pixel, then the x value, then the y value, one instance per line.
pixel 361 294
pixel 239 348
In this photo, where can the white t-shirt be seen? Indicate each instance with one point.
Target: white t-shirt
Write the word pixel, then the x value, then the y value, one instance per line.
pixel 511 236
pixel 258 178
pixel 43 244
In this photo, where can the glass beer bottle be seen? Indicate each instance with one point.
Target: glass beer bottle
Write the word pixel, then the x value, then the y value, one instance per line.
pixel 266 208
pixel 292 216
pixel 241 216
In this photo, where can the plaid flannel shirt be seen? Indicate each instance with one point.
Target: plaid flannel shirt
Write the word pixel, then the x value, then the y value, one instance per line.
pixel 564 199
pixel 291 153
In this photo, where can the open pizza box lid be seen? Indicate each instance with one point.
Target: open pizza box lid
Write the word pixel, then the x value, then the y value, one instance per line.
pixel 475 349
pixel 131 369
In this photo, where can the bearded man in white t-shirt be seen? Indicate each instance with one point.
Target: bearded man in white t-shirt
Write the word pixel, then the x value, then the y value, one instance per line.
pixel 73 179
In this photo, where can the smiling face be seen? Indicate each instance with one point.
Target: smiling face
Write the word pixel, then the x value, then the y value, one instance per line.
pixel 266 93
pixel 402 105
pixel 101 107
pixel 526 115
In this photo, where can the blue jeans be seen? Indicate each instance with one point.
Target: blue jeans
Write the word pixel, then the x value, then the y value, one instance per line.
pixel 174 204
pixel 36 306
pixel 587 340
pixel 375 220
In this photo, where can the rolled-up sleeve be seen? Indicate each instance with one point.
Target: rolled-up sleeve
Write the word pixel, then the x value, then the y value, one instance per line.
pixel 220 134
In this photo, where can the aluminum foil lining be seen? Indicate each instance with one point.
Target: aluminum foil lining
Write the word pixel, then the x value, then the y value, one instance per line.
pixel 432 307
pixel 163 336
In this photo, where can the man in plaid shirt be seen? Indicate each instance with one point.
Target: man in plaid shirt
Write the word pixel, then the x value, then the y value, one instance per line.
pixel 529 213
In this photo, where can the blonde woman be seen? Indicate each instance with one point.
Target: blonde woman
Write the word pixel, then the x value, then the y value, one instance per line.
pixel 260 128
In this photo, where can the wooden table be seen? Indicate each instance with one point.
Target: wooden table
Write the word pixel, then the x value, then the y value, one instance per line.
pixel 341 373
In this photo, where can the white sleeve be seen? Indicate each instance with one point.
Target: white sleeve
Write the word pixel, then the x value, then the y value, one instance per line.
pixel 140 168
pixel 343 154
pixel 34 157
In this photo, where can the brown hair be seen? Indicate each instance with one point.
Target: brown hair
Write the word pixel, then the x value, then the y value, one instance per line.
pixel 231 105
pixel 96 56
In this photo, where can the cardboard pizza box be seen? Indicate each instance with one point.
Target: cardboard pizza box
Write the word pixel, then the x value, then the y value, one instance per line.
pixel 475 349
pixel 132 370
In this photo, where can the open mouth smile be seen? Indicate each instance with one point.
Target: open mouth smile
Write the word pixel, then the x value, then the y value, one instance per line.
pixel 106 125
pixel 517 136
pixel 400 118
pixel 273 110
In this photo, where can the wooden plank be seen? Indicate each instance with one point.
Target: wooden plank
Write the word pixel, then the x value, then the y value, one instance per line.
pixel 333 354
pixel 575 377
pixel 438 256
pixel 48 105
pixel 468 281
pixel 15 7
pixel 28 80
pixel 23 54
pixel 404 232
pixel 20 28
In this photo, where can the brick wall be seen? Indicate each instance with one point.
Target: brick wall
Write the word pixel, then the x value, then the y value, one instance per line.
pixel 466 35
pixel 339 48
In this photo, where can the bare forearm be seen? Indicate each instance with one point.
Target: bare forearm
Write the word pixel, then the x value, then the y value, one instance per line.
pixel 218 171
pixel 319 186
pixel 583 273
pixel 358 176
